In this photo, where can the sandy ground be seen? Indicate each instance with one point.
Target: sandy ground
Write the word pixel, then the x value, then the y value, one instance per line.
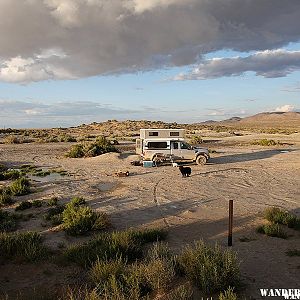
pixel 190 208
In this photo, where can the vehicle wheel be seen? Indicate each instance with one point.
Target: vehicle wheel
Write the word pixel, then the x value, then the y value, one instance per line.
pixel 157 160
pixel 201 160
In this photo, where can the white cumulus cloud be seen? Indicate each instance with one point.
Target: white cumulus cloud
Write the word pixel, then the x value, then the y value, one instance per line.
pixel 285 108
pixel 100 37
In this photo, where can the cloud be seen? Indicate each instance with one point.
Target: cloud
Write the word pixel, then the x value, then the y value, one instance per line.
pixel 224 112
pixel 268 63
pixel 285 108
pixel 292 89
pixel 99 37
pixel 22 114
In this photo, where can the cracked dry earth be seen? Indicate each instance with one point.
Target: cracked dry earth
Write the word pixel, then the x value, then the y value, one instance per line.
pixel 190 208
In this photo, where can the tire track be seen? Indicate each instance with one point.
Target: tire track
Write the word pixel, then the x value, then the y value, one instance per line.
pixel 157 203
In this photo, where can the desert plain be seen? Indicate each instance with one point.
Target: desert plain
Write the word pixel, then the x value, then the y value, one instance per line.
pixel 255 177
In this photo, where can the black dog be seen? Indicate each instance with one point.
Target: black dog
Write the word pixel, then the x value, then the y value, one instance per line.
pixel 185 171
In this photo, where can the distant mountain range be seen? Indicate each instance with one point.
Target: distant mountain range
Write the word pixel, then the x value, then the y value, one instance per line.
pixel 266 119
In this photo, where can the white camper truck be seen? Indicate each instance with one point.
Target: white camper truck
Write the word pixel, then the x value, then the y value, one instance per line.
pixel 161 145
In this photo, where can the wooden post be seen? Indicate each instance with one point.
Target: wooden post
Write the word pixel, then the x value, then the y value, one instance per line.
pixel 230 223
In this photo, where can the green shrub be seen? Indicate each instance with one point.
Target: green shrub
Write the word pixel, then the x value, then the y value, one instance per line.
pixel 24 205
pixel 76 201
pixel 101 270
pixel 78 220
pixel 52 201
pixel 20 187
pixel 183 292
pixel 196 140
pixel 41 173
pixel 293 252
pixel 10 175
pixel 100 146
pixel 76 151
pixel 228 295
pixel 54 215
pixel 26 246
pixel 37 203
pixel 127 244
pixel 5 197
pixel 265 142
pixel 273 230
pixel 8 221
pixel 280 216
pixel 210 268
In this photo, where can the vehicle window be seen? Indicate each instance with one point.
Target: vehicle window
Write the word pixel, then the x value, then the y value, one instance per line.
pixel 185 146
pixel 175 133
pixel 175 145
pixel 157 145
pixel 153 133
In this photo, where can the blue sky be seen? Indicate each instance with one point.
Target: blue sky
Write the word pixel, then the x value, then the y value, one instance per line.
pixel 207 89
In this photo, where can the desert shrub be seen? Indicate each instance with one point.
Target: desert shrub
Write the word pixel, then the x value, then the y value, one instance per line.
pixel 280 216
pixel 3 168
pixel 81 294
pixel 5 197
pixel 265 142
pixel 12 139
pixel 76 201
pixel 127 244
pixel 41 173
pixel 20 187
pixel 210 268
pixel 159 273
pixel 54 215
pixel 273 230
pixel 26 246
pixel 8 221
pixel 293 252
pixel 101 270
pixel 78 220
pixel 228 295
pixel 37 203
pixel 100 146
pixel 76 151
pixel 196 139
pixel 10 175
pixel 24 205
pixel 66 138
pixel 182 292
pixel 52 201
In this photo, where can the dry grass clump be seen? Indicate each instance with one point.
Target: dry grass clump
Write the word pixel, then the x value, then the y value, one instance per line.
pixel 100 146
pixel 10 175
pixel 228 294
pixel 210 268
pixel 26 246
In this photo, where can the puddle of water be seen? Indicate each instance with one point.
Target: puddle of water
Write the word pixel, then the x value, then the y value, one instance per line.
pixel 49 178
pixel 105 187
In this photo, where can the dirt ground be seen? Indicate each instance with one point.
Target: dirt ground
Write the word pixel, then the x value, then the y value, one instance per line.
pixel 254 177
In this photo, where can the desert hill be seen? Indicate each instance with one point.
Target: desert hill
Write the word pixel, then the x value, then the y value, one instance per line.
pixel 267 119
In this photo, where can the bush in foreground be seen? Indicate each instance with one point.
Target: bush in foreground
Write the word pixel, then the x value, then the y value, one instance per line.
pixel 127 244
pixel 26 246
pixel 228 295
pixel 24 205
pixel 210 268
pixel 78 220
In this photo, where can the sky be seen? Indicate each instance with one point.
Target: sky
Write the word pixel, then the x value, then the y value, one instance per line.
pixel 68 62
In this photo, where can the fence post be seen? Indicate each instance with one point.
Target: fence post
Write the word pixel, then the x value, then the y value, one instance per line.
pixel 230 223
